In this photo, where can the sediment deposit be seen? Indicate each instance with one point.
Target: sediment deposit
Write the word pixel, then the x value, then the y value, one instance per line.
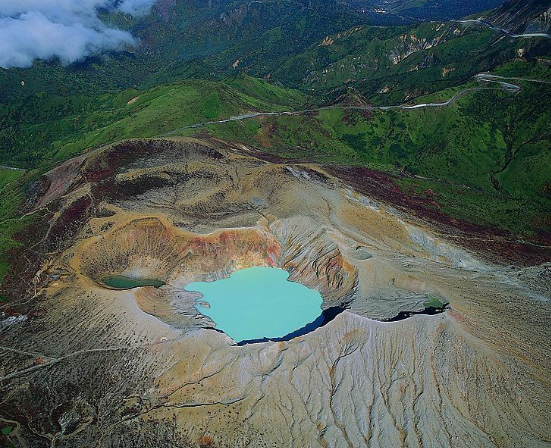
pixel 86 365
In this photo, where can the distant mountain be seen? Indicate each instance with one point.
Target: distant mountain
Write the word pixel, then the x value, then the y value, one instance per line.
pixel 313 45
pixel 406 11
pixel 194 64
pixel 212 39
pixel 190 38
pixel 396 64
pixel 523 16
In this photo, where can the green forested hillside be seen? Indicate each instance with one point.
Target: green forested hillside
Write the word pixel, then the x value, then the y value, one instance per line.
pixel 485 159
pixel 46 128
pixel 395 64
pixel 190 38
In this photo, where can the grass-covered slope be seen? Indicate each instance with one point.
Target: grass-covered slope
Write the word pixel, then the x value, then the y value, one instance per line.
pixel 46 128
pixel 11 198
pixel 484 160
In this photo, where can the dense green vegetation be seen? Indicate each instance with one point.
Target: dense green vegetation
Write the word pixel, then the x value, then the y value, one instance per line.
pixel 484 160
pixel 45 128
pixel 305 44
pixel 396 64
pixel 190 39
pixel 11 199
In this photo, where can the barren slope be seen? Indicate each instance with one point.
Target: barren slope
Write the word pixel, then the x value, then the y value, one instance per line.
pixel 85 365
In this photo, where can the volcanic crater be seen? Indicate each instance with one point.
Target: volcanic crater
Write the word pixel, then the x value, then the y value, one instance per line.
pixel 187 210
pixel 153 248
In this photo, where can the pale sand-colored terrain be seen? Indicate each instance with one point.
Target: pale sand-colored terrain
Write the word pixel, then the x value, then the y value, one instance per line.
pixel 91 366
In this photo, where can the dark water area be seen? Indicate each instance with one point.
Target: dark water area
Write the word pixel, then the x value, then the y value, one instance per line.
pixel 325 317
pixel 429 311
pixel 124 282
pixel 330 313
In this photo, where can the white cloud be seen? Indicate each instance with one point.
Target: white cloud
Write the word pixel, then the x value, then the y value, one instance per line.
pixel 67 29
pixel 135 7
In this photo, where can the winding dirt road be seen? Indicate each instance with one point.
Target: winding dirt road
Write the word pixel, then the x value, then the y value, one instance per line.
pixel 480 77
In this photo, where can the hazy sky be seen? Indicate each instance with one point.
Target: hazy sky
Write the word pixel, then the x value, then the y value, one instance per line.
pixel 67 29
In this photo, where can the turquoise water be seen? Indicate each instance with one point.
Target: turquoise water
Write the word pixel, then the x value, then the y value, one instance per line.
pixel 258 303
pixel 123 282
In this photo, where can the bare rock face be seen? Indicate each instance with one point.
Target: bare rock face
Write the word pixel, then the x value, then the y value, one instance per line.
pixel 149 248
pixel 88 365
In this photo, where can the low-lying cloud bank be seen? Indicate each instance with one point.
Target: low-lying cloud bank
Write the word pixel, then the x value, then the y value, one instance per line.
pixel 67 29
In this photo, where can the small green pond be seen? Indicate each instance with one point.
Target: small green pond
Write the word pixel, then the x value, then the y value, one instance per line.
pixel 259 303
pixel 124 282
pixel 433 302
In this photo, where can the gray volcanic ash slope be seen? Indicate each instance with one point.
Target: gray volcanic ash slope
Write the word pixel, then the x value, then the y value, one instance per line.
pixel 84 365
